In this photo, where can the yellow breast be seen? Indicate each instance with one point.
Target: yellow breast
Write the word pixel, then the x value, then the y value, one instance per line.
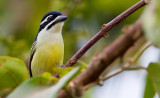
pixel 47 57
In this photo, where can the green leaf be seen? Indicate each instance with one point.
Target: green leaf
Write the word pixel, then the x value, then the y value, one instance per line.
pixel 151 22
pixel 33 86
pixel 53 91
pixel 62 71
pixel 154 74
pixel 12 72
pixel 149 89
pixel 40 87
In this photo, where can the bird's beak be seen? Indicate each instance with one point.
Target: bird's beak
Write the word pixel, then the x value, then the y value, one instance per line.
pixel 57 20
pixel 61 19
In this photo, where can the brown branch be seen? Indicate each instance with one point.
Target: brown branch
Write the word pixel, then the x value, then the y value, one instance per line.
pixel 102 61
pixel 108 55
pixel 100 34
pixel 138 54
pixel 118 71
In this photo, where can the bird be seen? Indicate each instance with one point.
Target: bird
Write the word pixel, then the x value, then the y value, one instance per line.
pixel 48 47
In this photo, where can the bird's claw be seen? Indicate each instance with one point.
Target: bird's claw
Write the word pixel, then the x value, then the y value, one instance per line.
pixel 57 75
pixel 62 66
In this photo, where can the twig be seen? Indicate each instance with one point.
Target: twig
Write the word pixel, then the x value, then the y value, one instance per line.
pixel 130 62
pixel 134 59
pixel 130 68
pixel 103 79
pixel 107 70
pixel 113 74
pixel 138 54
pixel 124 69
pixel 134 68
pixel 99 35
pixel 90 85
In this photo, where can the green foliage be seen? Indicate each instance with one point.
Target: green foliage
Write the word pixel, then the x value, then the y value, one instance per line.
pixel 32 86
pixel 62 71
pixel 151 25
pixel 149 89
pixel 154 74
pixel 12 72
pixel 19 24
pixel 151 22
pixel 40 86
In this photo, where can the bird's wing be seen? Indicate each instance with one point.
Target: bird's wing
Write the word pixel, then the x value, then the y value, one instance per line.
pixel 33 49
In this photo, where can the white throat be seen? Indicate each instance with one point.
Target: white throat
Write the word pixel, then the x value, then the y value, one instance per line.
pixel 51 36
pixel 57 28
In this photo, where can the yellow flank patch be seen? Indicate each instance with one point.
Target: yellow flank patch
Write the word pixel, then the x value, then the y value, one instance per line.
pixel 46 58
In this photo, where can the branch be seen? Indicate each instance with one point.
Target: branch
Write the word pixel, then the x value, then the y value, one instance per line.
pixel 103 60
pixel 118 71
pixel 138 54
pixel 100 34
pixel 124 69
pixel 110 53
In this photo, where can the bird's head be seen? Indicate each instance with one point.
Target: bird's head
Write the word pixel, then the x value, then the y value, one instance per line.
pixel 52 22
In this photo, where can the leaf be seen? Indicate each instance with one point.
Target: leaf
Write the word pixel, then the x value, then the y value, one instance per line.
pixel 33 86
pixel 53 91
pixel 62 71
pixel 149 89
pixel 12 72
pixel 151 22
pixel 39 87
pixel 154 73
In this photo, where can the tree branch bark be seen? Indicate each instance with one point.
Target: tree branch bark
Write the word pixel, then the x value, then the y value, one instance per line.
pixel 100 62
pixel 110 53
pixel 100 34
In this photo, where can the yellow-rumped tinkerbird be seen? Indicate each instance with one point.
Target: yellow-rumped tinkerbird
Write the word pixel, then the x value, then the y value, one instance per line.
pixel 48 48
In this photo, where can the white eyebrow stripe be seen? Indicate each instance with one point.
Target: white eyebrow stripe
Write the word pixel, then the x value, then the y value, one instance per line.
pixel 45 19
pixel 51 22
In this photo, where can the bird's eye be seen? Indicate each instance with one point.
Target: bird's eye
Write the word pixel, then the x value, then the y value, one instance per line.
pixel 50 18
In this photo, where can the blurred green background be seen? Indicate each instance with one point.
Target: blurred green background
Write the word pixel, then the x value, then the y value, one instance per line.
pixel 20 20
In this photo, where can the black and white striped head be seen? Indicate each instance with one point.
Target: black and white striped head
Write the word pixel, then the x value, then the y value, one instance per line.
pixel 51 19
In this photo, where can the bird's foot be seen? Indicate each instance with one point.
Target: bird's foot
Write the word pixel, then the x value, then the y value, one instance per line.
pixel 62 66
pixel 57 75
